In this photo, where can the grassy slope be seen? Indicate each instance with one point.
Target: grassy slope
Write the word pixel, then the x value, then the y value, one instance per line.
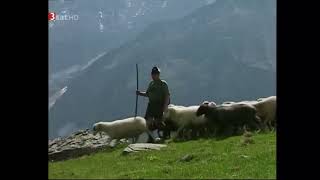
pixel 212 159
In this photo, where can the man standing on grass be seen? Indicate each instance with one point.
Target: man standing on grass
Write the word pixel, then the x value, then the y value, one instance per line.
pixel 159 97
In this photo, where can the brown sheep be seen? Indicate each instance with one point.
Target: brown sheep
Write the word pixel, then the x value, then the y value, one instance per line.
pixel 266 109
pixel 224 119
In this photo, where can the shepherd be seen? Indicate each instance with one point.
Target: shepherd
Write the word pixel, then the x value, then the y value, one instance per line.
pixel 159 99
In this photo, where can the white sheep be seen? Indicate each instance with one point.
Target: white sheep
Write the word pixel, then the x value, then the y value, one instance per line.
pixel 266 110
pixel 130 127
pixel 184 118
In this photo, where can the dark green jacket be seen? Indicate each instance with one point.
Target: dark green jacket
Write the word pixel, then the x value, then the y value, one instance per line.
pixel 157 91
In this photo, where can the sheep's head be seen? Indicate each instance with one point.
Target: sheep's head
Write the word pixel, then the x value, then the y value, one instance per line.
pixel 167 114
pixel 96 128
pixel 205 102
pixel 203 109
pixel 213 104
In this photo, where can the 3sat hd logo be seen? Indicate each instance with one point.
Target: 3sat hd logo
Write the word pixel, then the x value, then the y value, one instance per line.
pixel 52 16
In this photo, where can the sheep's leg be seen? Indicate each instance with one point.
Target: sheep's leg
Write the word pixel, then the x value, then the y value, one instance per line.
pixel 194 133
pixel 274 124
pixel 159 135
pixel 258 124
pixel 189 134
pixel 221 131
pixel 206 132
pixel 135 139
pixel 185 134
pixel 200 132
pixel 229 131
pixel 182 134
pixel 166 134
pixel 178 132
pixel 274 121
pixel 237 130
pixel 269 125
pixel 251 125
pixel 150 136
pixel 163 131
pixel 212 132
pixel 113 143
pixel 244 129
pixel 216 128
pixel 264 127
pixel 263 123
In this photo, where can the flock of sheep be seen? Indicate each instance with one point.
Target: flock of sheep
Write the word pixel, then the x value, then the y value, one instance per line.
pixel 205 120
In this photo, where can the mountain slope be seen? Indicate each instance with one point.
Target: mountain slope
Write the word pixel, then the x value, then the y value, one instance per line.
pixel 223 51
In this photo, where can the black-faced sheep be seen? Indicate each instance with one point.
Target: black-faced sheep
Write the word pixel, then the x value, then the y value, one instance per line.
pixel 226 119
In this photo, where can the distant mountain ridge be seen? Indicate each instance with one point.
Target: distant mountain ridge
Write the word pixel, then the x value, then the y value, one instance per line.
pixel 101 25
pixel 104 24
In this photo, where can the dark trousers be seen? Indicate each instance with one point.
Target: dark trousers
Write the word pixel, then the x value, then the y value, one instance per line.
pixel 154 113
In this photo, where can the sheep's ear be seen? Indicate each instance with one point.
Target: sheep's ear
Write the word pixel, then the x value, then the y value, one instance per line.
pixel 204 105
pixel 172 111
pixel 97 126
pixel 205 102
